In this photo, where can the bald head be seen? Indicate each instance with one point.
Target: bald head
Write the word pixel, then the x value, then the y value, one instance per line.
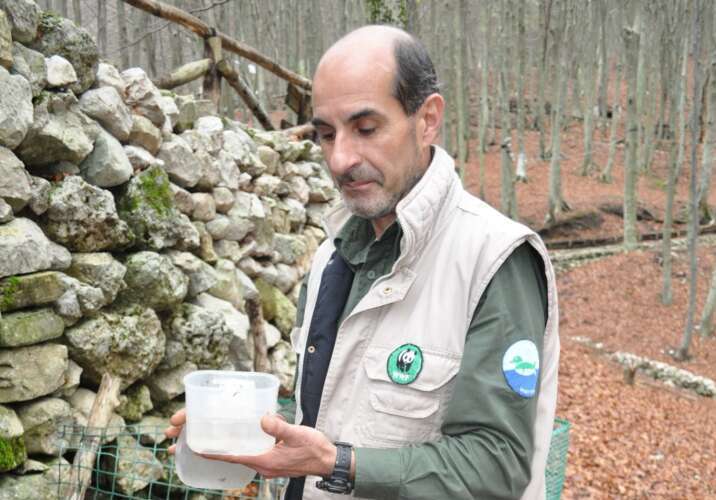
pixel 389 50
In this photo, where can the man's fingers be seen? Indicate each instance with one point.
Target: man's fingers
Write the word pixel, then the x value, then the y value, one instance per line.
pixel 277 427
pixel 172 449
pixel 179 418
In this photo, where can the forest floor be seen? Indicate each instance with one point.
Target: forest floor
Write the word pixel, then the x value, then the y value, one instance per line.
pixel 645 440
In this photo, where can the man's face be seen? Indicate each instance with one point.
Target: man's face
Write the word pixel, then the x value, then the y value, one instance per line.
pixel 369 143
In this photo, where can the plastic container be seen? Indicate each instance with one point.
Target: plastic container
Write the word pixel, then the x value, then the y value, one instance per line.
pixel 199 472
pixel 224 410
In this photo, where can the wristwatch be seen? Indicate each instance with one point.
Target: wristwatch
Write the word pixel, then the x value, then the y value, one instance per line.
pixel 339 481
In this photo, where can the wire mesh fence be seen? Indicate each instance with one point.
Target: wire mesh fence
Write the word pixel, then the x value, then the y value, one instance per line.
pixel 132 462
pixel 557 459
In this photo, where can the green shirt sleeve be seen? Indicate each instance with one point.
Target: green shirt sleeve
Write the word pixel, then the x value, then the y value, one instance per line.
pixel 488 439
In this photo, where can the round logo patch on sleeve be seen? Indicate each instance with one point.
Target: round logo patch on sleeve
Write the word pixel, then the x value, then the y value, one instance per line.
pixel 520 365
pixel 405 363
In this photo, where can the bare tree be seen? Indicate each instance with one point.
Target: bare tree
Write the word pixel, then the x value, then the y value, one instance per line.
pixel 631 47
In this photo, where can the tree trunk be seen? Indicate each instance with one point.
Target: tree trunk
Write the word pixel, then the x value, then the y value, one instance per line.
pixel 521 171
pixel 77 12
pixel 556 201
pixel 606 175
pixel 102 28
pixel 707 159
pixel 631 48
pixel 122 35
pixel 460 106
pixel 603 65
pixel 678 99
pixel 706 326
pixel 484 103
pixel 546 15
pixel 682 352
pixel 588 118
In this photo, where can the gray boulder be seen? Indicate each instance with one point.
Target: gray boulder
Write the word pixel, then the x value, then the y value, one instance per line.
pixel 142 96
pixel 204 207
pixel 201 275
pixel 40 195
pixel 29 327
pixel 190 110
pixel 145 134
pixel 5 41
pixel 29 290
pixel 227 286
pixel 60 72
pixel 16 111
pixel 15 187
pixel 241 347
pixel 42 420
pixel 107 165
pixel 81 402
pixel 289 247
pixel 283 365
pixel 182 199
pixel 229 171
pixel 223 198
pixel 126 342
pixel 89 298
pixel 140 158
pixel 151 430
pixel 31 65
pixel 180 162
pixel 165 385
pixel 154 281
pixel 147 204
pixel 59 132
pixel 60 36
pixel 35 486
pixel 106 106
pixel 206 245
pixel 134 403
pixel 11 440
pixel 30 372
pixel 99 270
pixel 6 214
pixel 84 218
pixel 201 335
pixel 135 466
pixel 71 381
pixel 26 249
pixel 23 16
pixel 108 76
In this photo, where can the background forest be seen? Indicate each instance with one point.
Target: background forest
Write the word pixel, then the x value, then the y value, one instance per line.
pixel 592 121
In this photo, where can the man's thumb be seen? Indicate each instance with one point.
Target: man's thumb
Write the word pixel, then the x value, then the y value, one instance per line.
pixel 277 427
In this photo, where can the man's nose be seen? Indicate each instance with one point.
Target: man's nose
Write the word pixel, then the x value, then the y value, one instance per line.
pixel 344 155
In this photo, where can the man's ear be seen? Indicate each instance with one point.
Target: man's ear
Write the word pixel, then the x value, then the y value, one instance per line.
pixel 431 119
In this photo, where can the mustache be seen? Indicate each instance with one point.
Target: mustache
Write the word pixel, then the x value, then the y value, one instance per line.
pixel 360 173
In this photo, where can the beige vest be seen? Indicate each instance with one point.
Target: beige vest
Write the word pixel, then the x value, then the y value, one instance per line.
pixel 452 245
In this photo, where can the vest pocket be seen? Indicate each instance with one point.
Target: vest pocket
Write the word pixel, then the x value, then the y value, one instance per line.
pixel 393 414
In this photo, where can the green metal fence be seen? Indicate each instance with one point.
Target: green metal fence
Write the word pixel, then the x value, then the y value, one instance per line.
pixel 133 464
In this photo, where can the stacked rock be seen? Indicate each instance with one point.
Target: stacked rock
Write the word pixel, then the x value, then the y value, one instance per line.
pixel 134 225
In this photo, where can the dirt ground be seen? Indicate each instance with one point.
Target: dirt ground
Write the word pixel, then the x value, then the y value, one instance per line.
pixel 645 440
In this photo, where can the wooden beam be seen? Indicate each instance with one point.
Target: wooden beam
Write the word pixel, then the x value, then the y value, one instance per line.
pixel 235 80
pixel 299 131
pixel 212 79
pixel 184 74
pixel 105 402
pixel 256 329
pixel 166 11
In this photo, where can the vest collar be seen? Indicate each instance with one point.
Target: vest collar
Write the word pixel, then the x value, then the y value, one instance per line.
pixel 420 212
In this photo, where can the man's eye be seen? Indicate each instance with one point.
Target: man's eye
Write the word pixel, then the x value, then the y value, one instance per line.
pixel 366 131
pixel 327 137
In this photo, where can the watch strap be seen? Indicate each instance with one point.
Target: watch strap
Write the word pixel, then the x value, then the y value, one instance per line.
pixel 339 480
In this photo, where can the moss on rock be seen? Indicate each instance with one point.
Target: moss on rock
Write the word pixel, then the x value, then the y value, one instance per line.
pixel 12 453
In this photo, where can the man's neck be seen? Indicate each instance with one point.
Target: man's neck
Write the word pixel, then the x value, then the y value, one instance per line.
pixel 382 223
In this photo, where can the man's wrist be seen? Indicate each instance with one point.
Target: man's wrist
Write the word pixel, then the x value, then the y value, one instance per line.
pixel 328 461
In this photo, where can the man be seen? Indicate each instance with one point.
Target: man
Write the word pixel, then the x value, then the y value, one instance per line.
pixel 427 328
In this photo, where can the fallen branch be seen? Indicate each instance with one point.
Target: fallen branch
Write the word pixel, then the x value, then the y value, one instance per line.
pixel 196 25
pixel 299 131
pixel 105 402
pixel 184 74
pixel 235 80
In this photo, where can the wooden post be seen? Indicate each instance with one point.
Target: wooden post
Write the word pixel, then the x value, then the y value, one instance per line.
pixel 256 320
pixel 184 74
pixel 105 402
pixel 235 80
pixel 212 78
pixel 166 11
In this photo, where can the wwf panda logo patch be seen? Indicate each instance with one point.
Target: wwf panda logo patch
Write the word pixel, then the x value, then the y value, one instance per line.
pixel 405 364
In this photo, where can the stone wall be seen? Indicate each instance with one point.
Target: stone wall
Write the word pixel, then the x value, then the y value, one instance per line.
pixel 134 223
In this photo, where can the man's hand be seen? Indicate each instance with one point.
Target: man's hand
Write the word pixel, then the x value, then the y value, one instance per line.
pixel 299 451
pixel 177 421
